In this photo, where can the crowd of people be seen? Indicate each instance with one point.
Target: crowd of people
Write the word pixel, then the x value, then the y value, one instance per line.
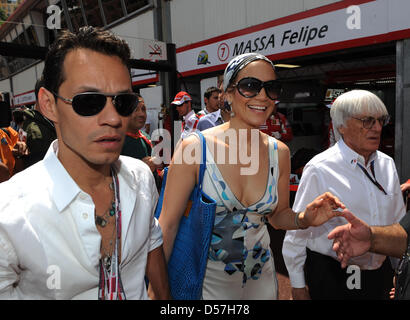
pixel 82 203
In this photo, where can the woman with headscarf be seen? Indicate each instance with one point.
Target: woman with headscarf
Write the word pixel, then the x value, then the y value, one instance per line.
pixel 247 173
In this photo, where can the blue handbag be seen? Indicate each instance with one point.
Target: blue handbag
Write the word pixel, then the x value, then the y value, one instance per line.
pixel 187 264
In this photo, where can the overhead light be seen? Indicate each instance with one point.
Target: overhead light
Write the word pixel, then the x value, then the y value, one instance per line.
pixel 282 65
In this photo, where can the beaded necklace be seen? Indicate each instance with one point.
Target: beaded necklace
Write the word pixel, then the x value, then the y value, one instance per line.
pixel 110 285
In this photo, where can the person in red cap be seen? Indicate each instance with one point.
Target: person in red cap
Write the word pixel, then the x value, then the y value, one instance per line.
pixel 278 126
pixel 182 102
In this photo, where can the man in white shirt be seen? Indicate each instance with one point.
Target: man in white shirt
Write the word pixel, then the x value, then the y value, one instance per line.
pixel 79 224
pixel 217 117
pixel 210 120
pixel 183 104
pixel 211 99
pixel 366 181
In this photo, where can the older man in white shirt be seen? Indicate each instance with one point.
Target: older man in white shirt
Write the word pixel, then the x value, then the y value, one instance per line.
pixel 366 181
pixel 79 224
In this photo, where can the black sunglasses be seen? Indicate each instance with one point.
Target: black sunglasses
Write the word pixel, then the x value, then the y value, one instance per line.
pixel 91 103
pixel 250 87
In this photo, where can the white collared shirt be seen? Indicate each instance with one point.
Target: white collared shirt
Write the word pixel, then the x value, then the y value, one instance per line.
pixel 336 170
pixel 210 120
pixel 49 244
pixel 190 121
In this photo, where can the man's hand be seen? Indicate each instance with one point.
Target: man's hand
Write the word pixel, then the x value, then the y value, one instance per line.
pixel 352 239
pixel 20 149
pixel 322 209
pixel 151 162
pixel 405 186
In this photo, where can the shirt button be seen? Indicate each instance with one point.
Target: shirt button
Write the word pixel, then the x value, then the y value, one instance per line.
pixel 85 215
pixel 83 196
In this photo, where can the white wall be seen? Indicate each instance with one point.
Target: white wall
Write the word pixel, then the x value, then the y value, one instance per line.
pixel 194 21
pixel 24 81
pixel 153 101
pixel 5 85
pixel 134 30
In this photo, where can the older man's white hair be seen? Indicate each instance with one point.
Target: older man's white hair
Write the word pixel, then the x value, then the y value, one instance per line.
pixel 355 103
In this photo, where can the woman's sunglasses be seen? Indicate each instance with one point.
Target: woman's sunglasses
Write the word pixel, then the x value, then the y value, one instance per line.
pixel 91 103
pixel 250 87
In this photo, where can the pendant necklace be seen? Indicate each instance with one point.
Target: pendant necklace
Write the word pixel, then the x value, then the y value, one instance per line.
pixel 102 221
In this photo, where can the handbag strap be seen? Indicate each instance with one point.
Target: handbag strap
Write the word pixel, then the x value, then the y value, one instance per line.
pixel 202 166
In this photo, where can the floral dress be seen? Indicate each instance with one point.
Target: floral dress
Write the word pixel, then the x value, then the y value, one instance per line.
pixel 240 263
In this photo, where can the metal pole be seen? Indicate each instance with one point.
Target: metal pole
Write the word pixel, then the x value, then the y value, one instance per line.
pixel 402 129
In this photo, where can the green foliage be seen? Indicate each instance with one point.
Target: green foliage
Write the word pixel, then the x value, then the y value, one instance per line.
pixel 3 16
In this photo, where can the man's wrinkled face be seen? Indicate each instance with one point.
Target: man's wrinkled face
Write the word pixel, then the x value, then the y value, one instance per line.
pixel 361 140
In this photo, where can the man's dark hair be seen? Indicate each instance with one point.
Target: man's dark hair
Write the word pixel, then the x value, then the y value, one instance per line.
pixel 18 116
pixel 210 90
pixel 92 38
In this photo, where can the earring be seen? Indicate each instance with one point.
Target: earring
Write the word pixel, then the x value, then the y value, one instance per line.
pixel 232 114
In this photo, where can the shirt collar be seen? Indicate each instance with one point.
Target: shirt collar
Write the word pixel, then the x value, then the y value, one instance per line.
pixel 189 114
pixel 217 114
pixel 63 188
pixel 352 157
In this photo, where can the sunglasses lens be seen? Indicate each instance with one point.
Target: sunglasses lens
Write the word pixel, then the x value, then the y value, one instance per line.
pixel 125 103
pixel 273 89
pixel 368 122
pixel 88 104
pixel 249 87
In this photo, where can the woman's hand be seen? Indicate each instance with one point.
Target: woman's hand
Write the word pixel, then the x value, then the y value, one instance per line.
pixel 320 210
